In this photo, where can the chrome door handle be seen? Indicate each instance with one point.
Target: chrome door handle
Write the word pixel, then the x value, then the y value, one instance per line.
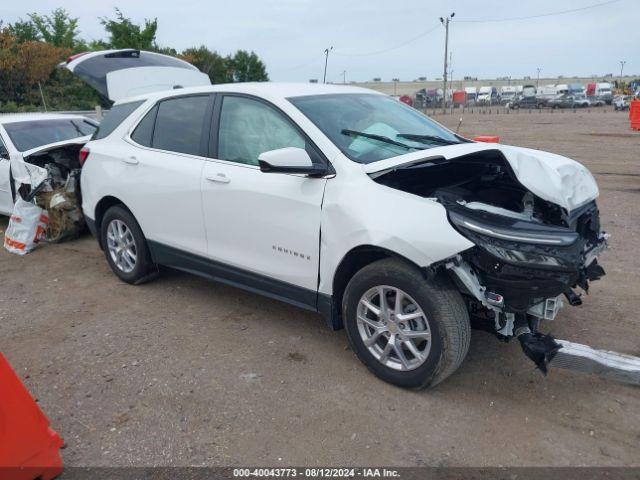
pixel 131 160
pixel 218 178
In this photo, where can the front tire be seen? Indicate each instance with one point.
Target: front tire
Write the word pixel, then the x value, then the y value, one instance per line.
pixel 410 331
pixel 125 247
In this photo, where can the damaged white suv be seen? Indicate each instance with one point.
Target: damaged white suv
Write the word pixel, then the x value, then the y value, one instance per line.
pixel 346 202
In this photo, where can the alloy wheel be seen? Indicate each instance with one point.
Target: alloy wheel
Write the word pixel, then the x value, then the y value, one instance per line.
pixel 122 246
pixel 394 328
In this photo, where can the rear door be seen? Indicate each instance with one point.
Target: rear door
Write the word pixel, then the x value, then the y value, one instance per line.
pixel 265 226
pixel 160 173
pixel 118 74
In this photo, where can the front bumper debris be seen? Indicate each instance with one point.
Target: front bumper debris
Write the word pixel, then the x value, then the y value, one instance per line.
pixel 582 358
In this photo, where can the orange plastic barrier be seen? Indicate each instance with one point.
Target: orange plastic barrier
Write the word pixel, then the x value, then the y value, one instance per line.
pixel 29 449
pixel 634 114
pixel 487 139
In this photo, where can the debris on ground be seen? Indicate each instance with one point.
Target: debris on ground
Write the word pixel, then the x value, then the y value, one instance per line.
pixel 48 200
pixel 27 226
pixel 60 196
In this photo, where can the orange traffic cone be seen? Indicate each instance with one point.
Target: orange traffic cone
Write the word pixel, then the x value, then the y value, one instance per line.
pixel 29 449
pixel 634 114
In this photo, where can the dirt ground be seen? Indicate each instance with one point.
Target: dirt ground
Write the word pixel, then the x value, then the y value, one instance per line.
pixel 182 371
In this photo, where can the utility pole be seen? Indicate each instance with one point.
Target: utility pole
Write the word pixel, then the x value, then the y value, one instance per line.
pixel 622 62
pixel 44 104
pixel 326 60
pixel 450 76
pixel 445 22
pixel 538 78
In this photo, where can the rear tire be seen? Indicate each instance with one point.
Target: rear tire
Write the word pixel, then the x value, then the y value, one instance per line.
pixel 434 355
pixel 125 247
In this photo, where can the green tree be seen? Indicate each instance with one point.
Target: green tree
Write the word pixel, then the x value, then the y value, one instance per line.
pixel 57 29
pixel 247 67
pixel 209 62
pixel 123 33
pixel 25 31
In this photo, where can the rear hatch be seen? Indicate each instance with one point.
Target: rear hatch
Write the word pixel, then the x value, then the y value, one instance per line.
pixel 118 74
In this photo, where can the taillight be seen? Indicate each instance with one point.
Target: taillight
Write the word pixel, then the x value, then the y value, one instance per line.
pixel 73 57
pixel 82 156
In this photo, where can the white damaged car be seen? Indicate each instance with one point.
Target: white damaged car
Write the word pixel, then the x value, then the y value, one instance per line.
pixel 31 141
pixel 343 201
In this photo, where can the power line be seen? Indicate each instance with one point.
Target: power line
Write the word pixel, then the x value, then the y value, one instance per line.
pixel 378 52
pixel 550 14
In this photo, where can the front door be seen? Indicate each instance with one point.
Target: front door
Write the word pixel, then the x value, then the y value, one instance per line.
pixel 6 198
pixel 264 225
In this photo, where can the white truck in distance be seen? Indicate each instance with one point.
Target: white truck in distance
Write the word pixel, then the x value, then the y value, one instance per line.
pixel 346 202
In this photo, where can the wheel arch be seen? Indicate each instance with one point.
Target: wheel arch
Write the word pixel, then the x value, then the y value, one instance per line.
pixel 102 206
pixel 353 261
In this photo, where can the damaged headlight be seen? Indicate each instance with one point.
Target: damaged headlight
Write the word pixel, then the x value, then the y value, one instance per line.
pixel 535 247
pixel 518 256
pixel 513 235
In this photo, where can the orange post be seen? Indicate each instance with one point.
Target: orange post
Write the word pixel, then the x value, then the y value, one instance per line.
pixel 634 114
pixel 29 449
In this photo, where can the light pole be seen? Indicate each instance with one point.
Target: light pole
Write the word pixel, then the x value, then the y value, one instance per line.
pixel 622 62
pixel 326 60
pixel 445 22
pixel 538 78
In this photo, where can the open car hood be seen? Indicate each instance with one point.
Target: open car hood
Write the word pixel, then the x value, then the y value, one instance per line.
pixel 30 174
pixel 118 74
pixel 551 177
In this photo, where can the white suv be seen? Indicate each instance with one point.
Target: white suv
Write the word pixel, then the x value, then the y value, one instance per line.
pixel 343 201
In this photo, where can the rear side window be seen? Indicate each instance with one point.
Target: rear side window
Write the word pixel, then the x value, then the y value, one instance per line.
pixel 143 133
pixel 114 118
pixel 179 124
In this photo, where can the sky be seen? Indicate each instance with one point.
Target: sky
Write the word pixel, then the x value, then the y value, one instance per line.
pixel 386 39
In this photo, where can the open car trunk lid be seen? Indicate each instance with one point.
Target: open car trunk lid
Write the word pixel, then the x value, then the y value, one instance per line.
pixel 551 177
pixel 118 74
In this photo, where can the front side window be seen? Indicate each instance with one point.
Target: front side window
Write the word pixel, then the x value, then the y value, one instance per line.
pixel 250 127
pixel 371 127
pixel 180 123
pixel 3 149
pixel 33 134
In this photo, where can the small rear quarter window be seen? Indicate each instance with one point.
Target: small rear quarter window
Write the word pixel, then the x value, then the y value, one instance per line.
pixel 114 117
pixel 143 133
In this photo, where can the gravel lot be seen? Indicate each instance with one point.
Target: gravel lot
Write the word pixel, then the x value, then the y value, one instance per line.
pixel 182 371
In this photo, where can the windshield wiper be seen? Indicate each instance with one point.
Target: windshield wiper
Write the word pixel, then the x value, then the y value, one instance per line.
pixel 380 138
pixel 427 138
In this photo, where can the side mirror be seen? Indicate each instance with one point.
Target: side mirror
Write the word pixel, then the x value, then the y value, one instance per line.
pixel 4 153
pixel 289 160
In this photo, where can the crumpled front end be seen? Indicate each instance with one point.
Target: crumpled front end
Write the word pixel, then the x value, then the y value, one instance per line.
pixel 535 227
pixel 525 266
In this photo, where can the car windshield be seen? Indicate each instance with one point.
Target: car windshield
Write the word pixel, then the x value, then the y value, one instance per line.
pixel 371 127
pixel 32 134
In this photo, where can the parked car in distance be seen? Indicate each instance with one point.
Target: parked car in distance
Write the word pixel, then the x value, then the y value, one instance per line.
pixel 26 144
pixel 344 201
pixel 526 102
pixel 569 101
pixel 621 102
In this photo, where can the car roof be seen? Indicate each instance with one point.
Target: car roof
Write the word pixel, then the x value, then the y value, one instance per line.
pixel 270 90
pixel 35 116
